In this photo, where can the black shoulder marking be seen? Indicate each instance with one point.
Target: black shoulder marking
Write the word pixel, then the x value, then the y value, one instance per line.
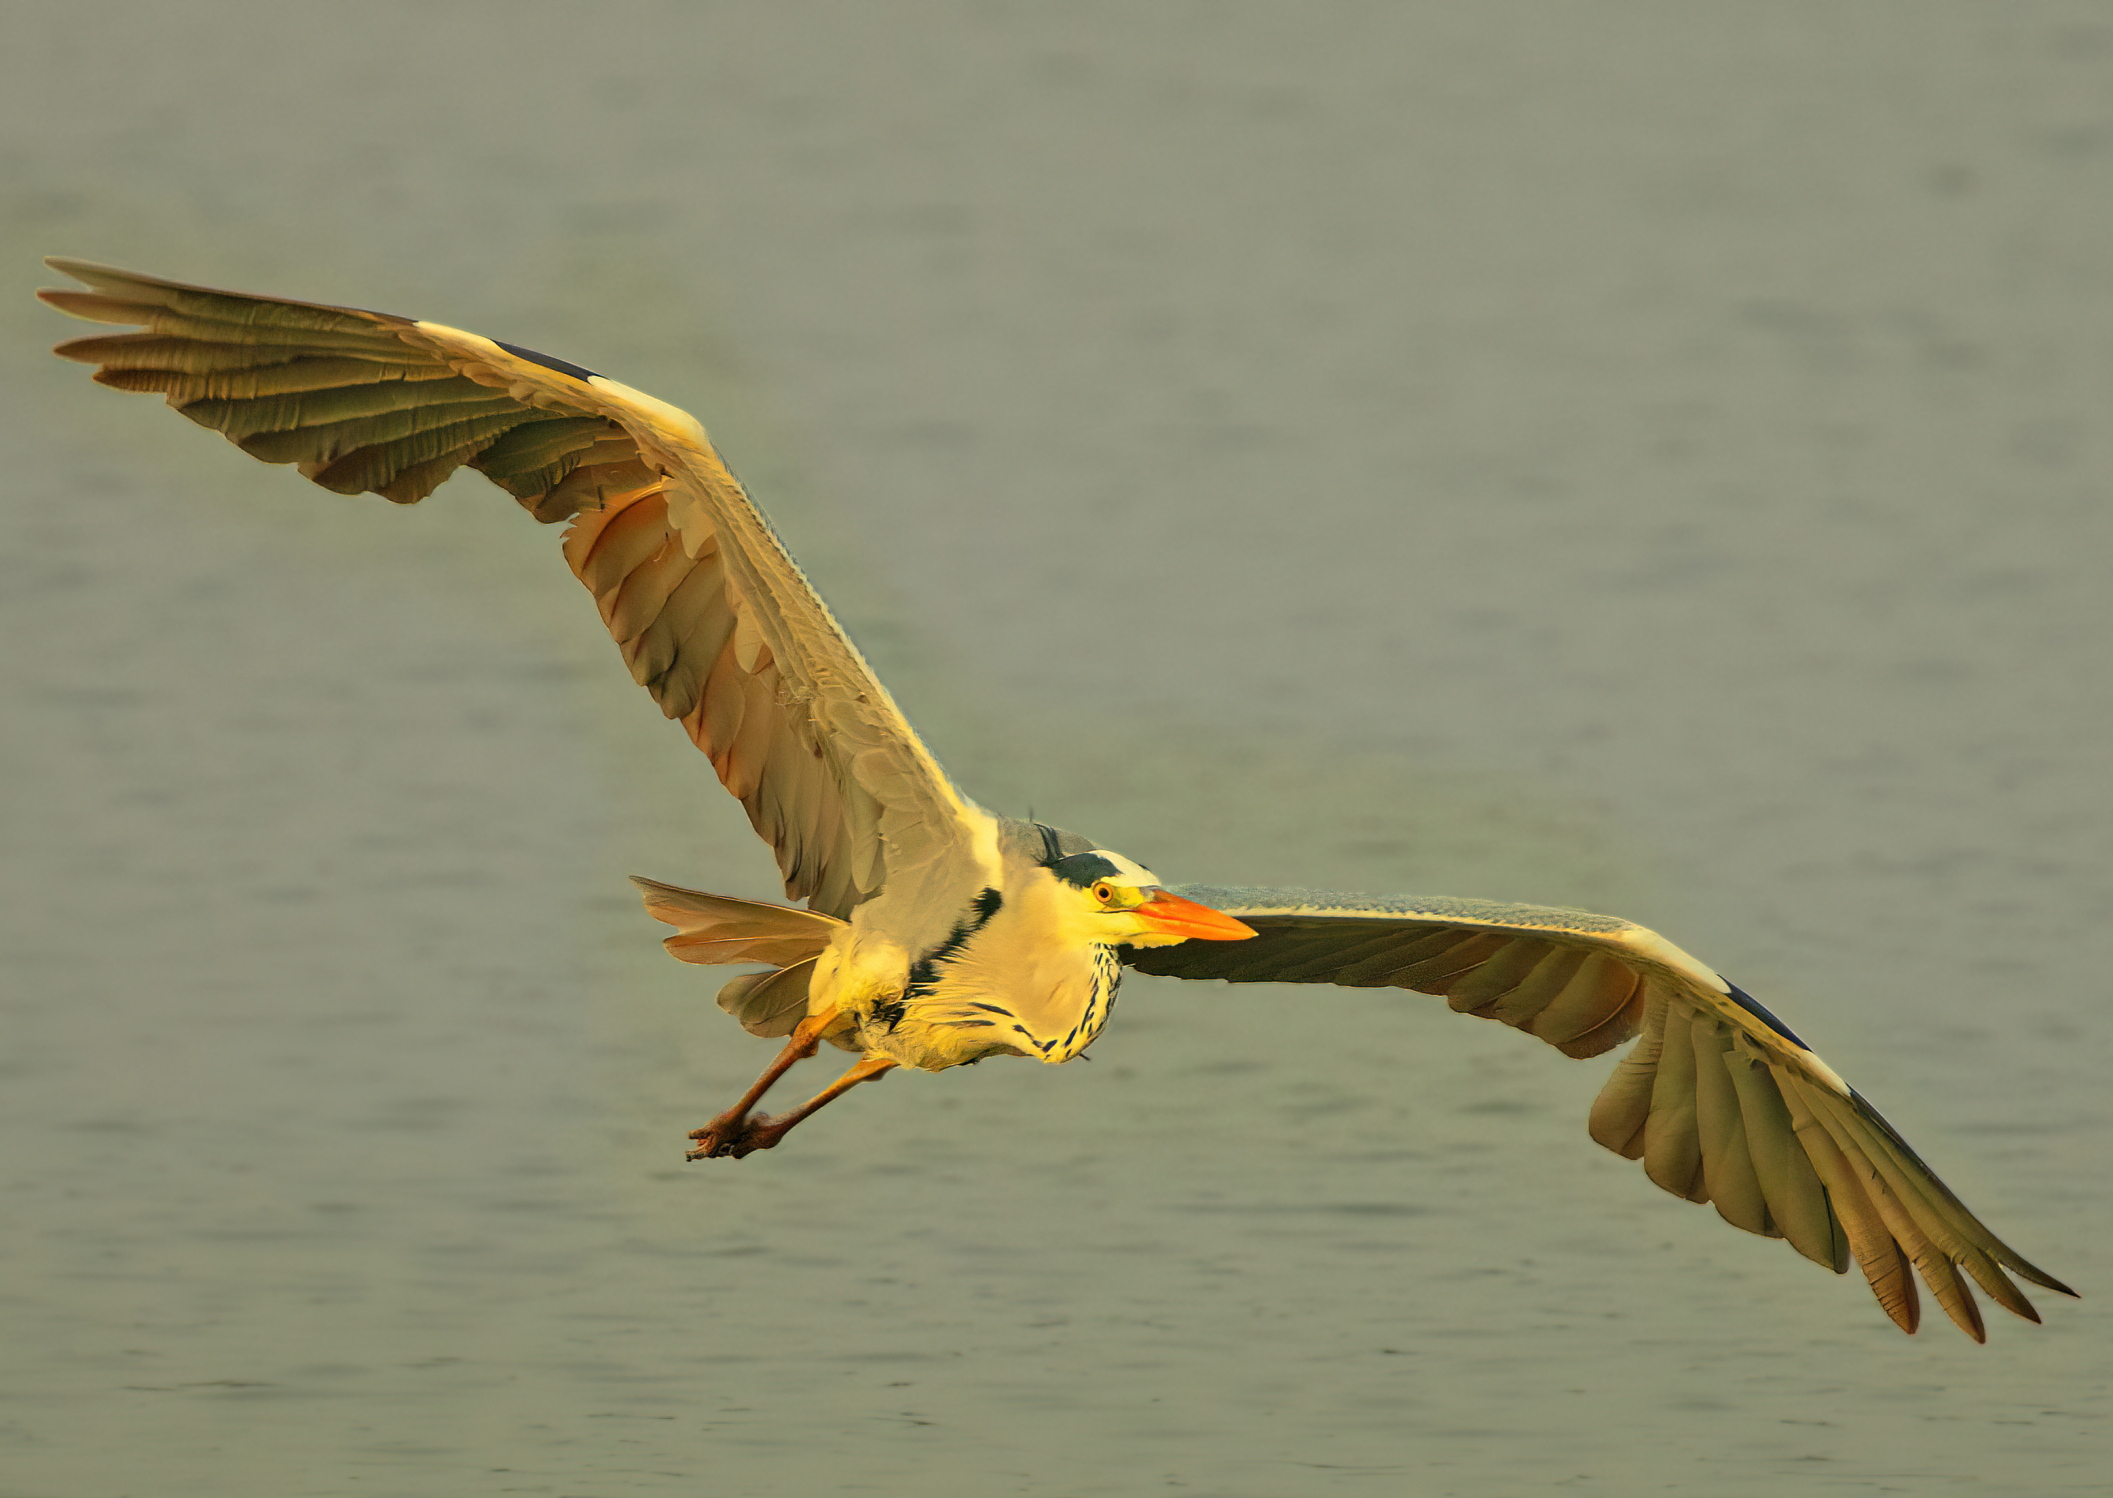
pixel 1752 1006
pixel 545 360
pixel 924 972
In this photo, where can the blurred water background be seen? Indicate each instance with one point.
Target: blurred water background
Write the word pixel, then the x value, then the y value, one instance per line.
pixel 1641 456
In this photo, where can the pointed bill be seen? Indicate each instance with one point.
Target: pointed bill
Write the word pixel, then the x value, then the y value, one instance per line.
pixel 1173 916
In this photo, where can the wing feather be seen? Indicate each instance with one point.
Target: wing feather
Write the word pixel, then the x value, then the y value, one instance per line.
pixel 1931 1242
pixel 172 359
pixel 1978 1250
pixel 1797 1203
pixel 641 602
pixel 1870 1239
pixel 1622 1111
pixel 242 414
pixel 168 376
pixel 712 614
pixel 1727 1161
pixel 1531 999
pixel 748 757
pixel 1624 1019
pixel 1598 989
pixel 696 621
pixel 1672 1142
pixel 604 547
pixel 1486 988
pixel 725 706
pixel 1438 974
pixel 1374 962
pixel 1719 1099
pixel 351 337
pixel 356 457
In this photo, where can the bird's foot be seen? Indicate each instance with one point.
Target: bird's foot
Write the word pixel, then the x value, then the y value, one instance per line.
pixel 730 1139
pixel 738 1132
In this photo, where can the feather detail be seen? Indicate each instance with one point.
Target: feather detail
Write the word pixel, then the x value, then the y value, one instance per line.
pixel 1622 1023
pixel 769 1004
pixel 1621 1113
pixel 722 928
pixel 1598 987
pixel 1929 1242
pixel 1727 1161
pixel 1880 1258
pixel 1485 991
pixel 605 547
pixel 1797 1203
pixel 1672 1151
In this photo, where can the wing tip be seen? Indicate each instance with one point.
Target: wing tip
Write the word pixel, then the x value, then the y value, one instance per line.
pixel 105 277
pixel 70 265
pixel 91 306
pixel 2041 1278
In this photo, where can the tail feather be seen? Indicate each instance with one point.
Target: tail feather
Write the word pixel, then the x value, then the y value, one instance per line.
pixel 769 1004
pixel 721 928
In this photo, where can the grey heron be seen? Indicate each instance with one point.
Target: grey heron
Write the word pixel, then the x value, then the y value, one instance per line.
pixel 935 933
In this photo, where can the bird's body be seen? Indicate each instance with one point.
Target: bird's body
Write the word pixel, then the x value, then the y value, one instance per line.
pixel 994 983
pixel 935 933
pixel 992 987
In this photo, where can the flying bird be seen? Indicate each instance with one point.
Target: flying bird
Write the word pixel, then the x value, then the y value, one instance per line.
pixel 935 933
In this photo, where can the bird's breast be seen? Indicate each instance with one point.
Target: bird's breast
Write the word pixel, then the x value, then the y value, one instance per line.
pixel 986 1002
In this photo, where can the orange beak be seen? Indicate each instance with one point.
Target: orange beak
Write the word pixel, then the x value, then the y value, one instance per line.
pixel 1178 917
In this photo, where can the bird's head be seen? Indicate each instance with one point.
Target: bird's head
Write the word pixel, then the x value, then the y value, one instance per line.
pixel 1121 903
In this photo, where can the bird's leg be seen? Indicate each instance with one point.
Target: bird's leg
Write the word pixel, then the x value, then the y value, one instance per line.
pixel 718 1136
pixel 761 1132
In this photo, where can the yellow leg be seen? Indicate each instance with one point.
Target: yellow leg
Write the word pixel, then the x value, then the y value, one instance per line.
pixel 716 1137
pixel 762 1133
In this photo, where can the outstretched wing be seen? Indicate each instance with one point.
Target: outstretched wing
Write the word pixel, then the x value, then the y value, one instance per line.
pixel 1720 1101
pixel 712 615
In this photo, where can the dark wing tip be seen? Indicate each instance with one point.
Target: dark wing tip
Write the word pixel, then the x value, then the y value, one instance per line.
pixel 2045 1281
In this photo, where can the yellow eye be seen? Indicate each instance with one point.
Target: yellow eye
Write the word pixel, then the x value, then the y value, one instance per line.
pixel 1104 892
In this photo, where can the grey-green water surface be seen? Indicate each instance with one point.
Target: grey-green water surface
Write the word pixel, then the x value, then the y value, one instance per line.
pixel 1648 457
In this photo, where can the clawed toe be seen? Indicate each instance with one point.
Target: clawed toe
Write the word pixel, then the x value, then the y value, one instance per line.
pixel 738 1132
pixel 723 1141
